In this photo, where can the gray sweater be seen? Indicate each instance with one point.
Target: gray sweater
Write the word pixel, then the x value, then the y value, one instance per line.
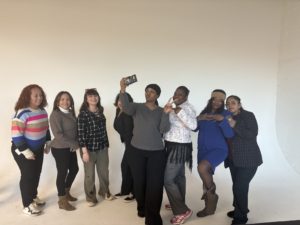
pixel 149 125
pixel 64 129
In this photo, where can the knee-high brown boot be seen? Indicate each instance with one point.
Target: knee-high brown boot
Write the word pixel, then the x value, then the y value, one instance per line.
pixel 64 204
pixel 69 196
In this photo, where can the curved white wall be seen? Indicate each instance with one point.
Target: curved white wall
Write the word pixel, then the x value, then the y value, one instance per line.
pixel 233 44
pixel 287 108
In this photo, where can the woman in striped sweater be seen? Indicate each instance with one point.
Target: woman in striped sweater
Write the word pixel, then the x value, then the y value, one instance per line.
pixel 30 132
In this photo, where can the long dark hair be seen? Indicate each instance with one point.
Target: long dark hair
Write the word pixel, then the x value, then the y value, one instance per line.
pixel 85 104
pixel 130 99
pixel 57 99
pixel 208 107
pixel 25 96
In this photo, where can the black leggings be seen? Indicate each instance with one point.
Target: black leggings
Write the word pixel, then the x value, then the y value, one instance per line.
pixel 30 174
pixel 67 168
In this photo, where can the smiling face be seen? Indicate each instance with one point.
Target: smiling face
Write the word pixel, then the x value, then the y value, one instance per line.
pixel 217 103
pixel 92 100
pixel 233 105
pixel 64 101
pixel 36 98
pixel 179 97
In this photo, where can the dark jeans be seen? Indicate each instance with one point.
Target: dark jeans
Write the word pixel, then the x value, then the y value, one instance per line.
pixel 67 168
pixel 241 178
pixel 147 169
pixel 30 174
pixel 127 180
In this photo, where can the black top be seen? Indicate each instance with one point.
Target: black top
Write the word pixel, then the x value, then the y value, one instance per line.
pixel 123 124
pixel 244 150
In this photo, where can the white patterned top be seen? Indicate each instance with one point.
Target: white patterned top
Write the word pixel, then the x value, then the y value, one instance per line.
pixel 182 124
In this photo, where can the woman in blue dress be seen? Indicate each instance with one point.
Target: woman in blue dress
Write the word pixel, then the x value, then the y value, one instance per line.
pixel 213 130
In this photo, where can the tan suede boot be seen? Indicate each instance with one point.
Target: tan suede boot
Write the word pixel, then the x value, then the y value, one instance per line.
pixel 69 196
pixel 64 204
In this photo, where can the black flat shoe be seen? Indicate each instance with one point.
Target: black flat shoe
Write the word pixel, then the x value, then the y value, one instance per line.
pixel 237 222
pixel 141 214
pixel 230 214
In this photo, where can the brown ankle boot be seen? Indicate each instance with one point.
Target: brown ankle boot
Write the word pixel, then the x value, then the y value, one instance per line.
pixel 211 200
pixel 202 212
pixel 64 204
pixel 69 196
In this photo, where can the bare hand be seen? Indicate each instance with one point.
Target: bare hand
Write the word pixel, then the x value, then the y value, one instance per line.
pixel 85 156
pixel 218 117
pixel 205 117
pixel 231 121
pixel 122 85
pixel 31 158
pixel 168 108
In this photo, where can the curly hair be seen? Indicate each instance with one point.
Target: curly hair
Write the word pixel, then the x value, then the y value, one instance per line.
pixel 25 96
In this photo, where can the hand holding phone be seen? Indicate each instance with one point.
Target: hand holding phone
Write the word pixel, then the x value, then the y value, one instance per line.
pixel 130 79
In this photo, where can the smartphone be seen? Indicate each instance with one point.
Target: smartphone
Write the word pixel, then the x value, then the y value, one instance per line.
pixel 131 79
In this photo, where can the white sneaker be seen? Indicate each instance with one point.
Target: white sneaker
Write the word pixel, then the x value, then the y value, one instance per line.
pixel 31 210
pixel 91 204
pixel 38 201
pixel 109 197
pixel 129 198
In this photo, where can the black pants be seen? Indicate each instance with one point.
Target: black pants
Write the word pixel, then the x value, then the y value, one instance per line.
pixel 241 178
pixel 148 169
pixel 127 180
pixel 67 168
pixel 30 174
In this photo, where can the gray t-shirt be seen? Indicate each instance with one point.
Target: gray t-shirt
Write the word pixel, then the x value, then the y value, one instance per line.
pixel 149 125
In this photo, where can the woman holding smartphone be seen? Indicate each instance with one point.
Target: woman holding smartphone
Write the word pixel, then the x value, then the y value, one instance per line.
pixel 147 157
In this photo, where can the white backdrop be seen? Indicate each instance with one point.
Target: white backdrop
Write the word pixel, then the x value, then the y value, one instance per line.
pixel 243 47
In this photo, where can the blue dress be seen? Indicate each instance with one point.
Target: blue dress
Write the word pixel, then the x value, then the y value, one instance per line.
pixel 212 144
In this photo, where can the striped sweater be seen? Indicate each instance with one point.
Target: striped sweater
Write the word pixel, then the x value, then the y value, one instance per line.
pixel 30 129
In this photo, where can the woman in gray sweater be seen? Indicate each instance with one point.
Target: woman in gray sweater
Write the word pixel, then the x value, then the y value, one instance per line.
pixel 146 156
pixel 63 146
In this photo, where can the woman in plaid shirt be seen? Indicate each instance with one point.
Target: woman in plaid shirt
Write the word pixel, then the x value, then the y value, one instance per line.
pixel 94 144
pixel 244 157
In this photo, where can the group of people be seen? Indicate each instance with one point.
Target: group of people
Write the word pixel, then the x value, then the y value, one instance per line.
pixel 158 146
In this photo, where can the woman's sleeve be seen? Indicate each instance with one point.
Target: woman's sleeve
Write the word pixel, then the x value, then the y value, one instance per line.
pixel 18 127
pixel 58 132
pixel 128 107
pixel 128 127
pixel 246 126
pixel 226 128
pixel 81 126
pixel 188 117
pixel 164 123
